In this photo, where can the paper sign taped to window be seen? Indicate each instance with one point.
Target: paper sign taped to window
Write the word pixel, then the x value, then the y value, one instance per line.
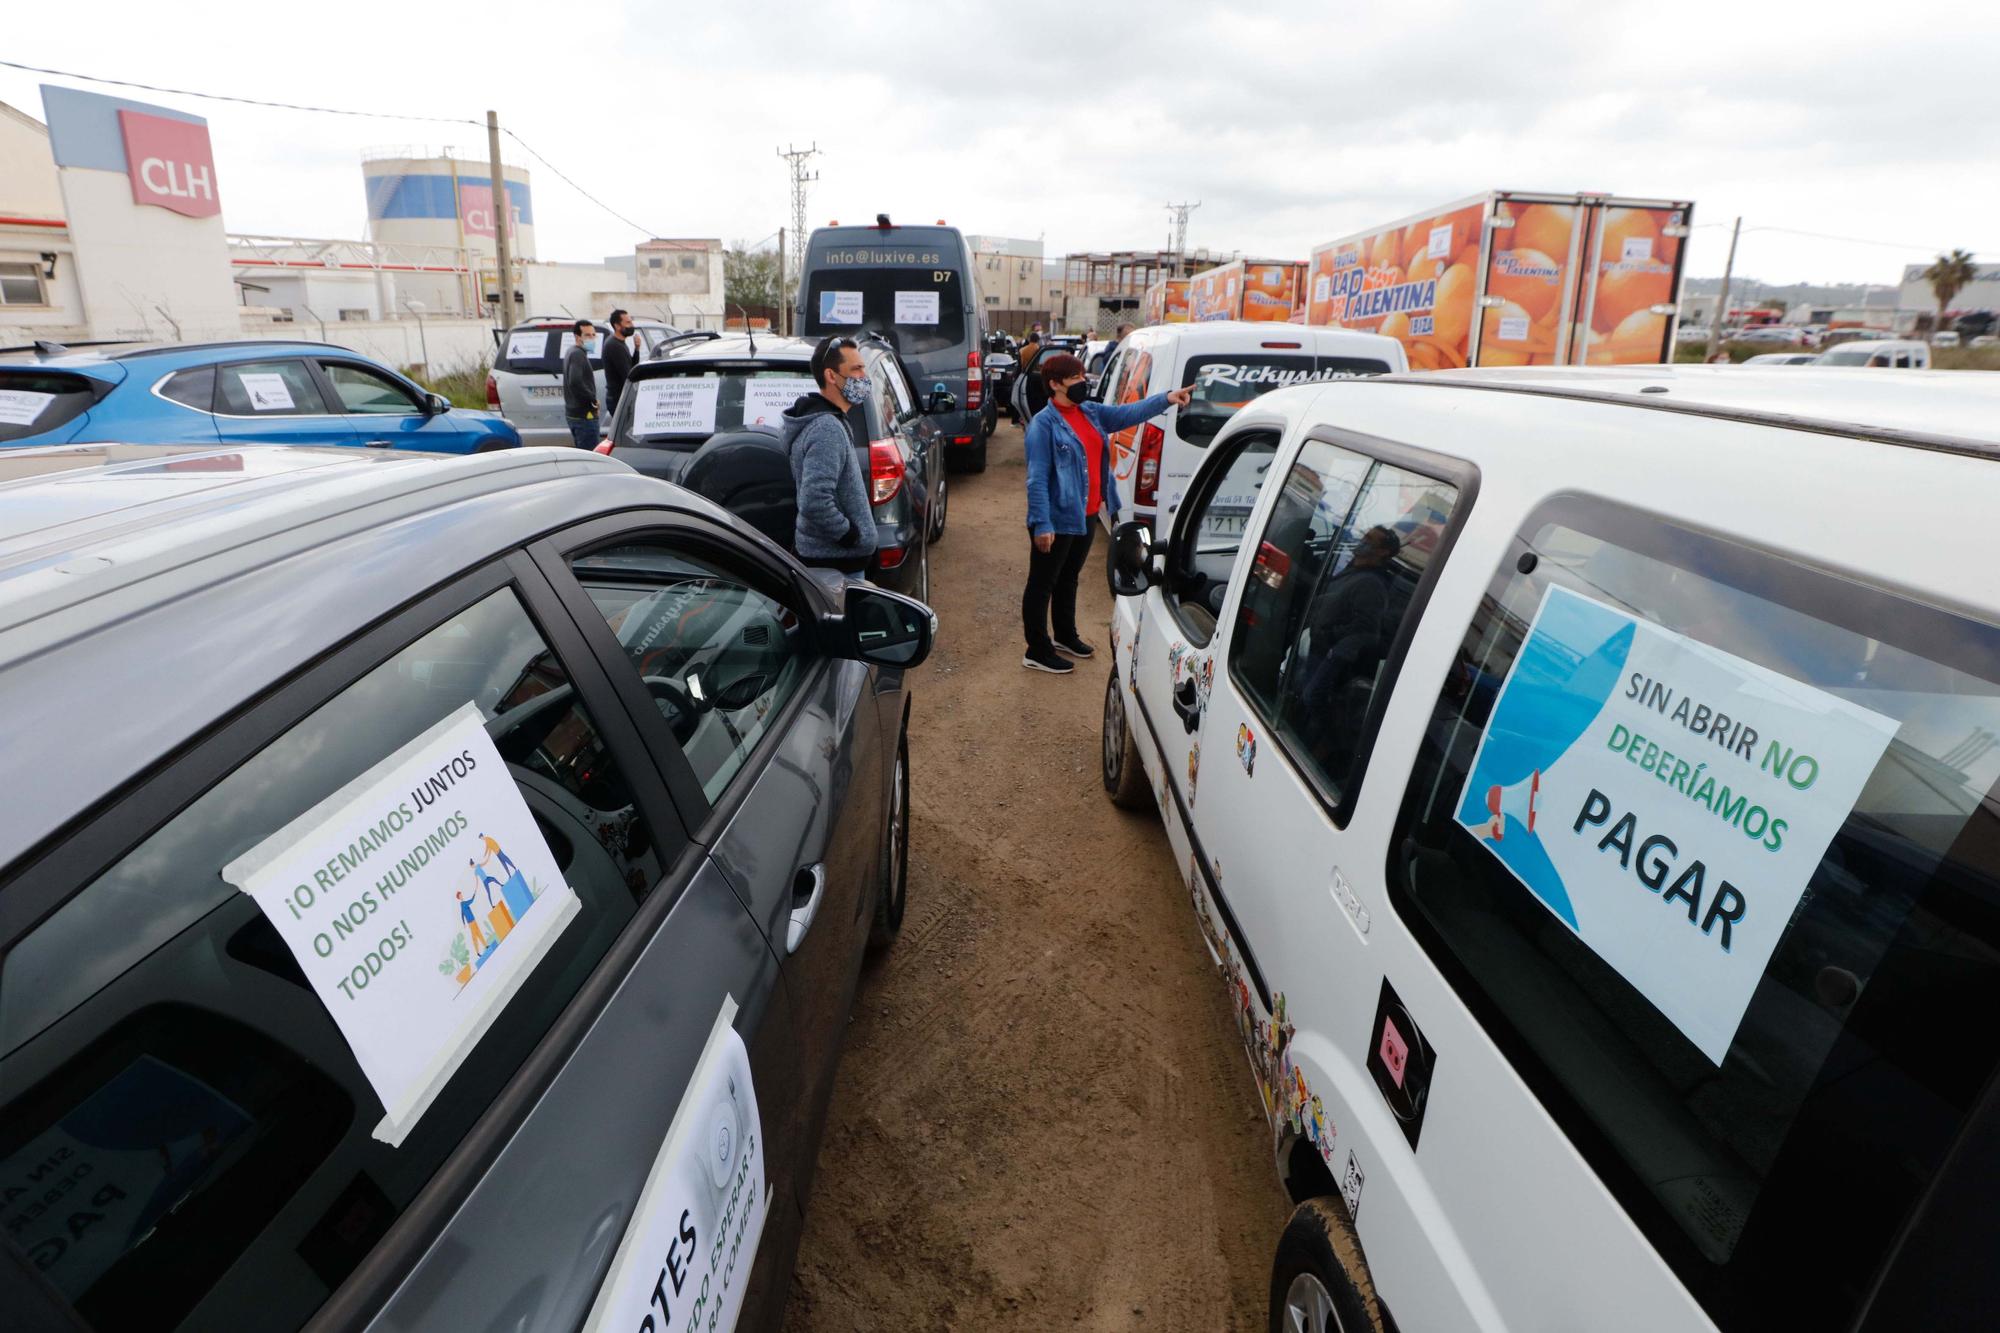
pixel 1637 250
pixel 681 405
pixel 916 307
pixel 417 899
pixel 529 346
pixel 1513 328
pixel 840 307
pixel 20 407
pixel 267 391
pixel 1666 800
pixel 687 1253
pixel 765 399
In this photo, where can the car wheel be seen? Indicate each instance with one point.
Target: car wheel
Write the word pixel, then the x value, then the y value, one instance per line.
pixel 1319 1281
pixel 940 502
pixel 1124 775
pixel 890 902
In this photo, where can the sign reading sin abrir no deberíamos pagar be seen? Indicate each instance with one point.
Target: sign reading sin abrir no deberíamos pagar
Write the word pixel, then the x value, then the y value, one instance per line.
pixel 416 899
pixel 1666 800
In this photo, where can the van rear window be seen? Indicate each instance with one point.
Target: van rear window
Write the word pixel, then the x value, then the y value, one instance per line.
pixel 1708 842
pixel 34 401
pixel 918 309
pixel 1224 385
pixel 539 350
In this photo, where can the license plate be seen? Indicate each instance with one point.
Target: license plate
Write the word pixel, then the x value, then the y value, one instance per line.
pixel 545 391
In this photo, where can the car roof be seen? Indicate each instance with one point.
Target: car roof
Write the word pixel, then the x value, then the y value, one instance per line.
pixel 1253 333
pixel 1954 410
pixel 1878 344
pixel 157 588
pixel 191 353
pixel 734 347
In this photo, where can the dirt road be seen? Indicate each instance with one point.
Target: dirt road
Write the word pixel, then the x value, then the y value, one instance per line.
pixel 1043 1117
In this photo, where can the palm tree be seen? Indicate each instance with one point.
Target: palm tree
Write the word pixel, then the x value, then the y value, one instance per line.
pixel 1952 274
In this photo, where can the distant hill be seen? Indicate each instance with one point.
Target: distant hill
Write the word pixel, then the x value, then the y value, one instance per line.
pixel 1751 291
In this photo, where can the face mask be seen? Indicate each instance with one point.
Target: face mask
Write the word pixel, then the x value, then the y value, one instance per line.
pixel 855 390
pixel 1078 391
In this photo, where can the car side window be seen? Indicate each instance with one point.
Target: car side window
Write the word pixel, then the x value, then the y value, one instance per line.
pixel 219 1123
pixel 900 403
pixel 268 389
pixel 1332 581
pixel 364 390
pixel 1210 529
pixel 718 656
pixel 194 387
pixel 1751 949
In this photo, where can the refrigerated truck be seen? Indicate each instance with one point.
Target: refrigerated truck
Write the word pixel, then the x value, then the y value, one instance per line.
pixel 1258 290
pixel 1512 278
pixel 1166 301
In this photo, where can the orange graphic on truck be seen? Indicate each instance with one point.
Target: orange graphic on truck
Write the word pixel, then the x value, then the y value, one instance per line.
pixel 1264 291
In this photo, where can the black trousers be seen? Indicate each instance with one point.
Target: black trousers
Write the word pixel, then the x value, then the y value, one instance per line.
pixel 1051 590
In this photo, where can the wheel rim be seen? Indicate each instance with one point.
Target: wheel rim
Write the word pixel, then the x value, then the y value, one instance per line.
pixel 1309 1307
pixel 899 845
pixel 1114 731
pixel 938 503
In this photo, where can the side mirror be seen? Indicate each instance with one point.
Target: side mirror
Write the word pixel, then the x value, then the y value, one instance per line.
pixel 434 404
pixel 1131 559
pixel 882 628
pixel 942 400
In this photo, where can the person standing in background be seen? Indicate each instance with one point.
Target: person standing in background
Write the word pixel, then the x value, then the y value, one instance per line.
pixel 835 528
pixel 618 361
pixel 579 386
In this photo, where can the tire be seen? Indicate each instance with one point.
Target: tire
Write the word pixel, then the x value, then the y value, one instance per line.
pixel 894 897
pixel 1124 774
pixel 967 458
pixel 940 504
pixel 1319 1280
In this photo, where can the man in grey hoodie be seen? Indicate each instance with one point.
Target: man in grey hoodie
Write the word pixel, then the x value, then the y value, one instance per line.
pixel 836 524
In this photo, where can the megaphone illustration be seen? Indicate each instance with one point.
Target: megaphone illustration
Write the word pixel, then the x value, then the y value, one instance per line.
pixel 1517 799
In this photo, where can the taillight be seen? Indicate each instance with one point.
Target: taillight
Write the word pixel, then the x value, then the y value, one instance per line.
pixel 1151 440
pixel 975 381
pixel 1271 567
pixel 493 393
pixel 891 557
pixel 885 471
pixel 604 447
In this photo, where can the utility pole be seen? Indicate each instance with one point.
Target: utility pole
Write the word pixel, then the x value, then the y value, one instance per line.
pixel 1180 212
pixel 1722 302
pixel 784 306
pixel 503 217
pixel 796 159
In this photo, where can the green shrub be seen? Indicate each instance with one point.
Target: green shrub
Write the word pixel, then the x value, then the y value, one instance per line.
pixel 460 388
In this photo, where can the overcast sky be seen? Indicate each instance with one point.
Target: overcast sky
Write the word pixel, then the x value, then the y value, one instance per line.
pixel 1291 123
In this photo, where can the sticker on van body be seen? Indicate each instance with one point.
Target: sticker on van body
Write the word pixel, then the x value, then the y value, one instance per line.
pixel 1666 800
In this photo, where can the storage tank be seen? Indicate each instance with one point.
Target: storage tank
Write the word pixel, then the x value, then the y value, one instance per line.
pixel 439 198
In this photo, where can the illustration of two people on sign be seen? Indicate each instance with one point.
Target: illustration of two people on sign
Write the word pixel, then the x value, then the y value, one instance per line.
pixel 503 910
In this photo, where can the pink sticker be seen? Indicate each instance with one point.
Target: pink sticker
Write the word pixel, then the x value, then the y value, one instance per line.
pixel 1395 1051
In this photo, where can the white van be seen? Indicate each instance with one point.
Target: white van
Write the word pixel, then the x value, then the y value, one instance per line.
pixel 1585 781
pixel 1228 363
pixel 1890 353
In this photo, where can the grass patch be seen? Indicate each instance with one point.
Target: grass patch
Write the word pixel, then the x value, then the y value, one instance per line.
pixel 460 388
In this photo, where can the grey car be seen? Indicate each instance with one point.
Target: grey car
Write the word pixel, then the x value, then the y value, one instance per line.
pixel 525 383
pixel 258 704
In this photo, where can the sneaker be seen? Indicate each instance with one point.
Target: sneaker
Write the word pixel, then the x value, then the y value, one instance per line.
pixel 1074 647
pixel 1042 659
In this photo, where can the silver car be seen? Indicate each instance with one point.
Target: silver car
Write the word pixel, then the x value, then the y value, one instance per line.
pixel 435 893
pixel 525 384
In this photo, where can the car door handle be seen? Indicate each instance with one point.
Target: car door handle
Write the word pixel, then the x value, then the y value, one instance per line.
pixel 381 444
pixel 1187 705
pixel 808 887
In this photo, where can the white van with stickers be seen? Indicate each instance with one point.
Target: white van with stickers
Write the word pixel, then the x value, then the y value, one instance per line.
pixel 1586 783
pixel 1228 364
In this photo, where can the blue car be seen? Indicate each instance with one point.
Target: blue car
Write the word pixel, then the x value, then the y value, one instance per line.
pixel 230 393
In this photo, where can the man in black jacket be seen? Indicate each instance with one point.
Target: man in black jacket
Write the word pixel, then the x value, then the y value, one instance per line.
pixel 617 361
pixel 579 383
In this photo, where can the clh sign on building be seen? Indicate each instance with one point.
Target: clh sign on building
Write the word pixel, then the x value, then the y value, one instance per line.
pixel 169 163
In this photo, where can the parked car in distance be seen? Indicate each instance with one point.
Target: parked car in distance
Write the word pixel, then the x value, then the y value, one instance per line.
pixel 1228 363
pixel 1781 359
pixel 707 415
pixel 475 840
pixel 1692 333
pixel 1945 338
pixel 250 392
pixel 916 287
pixel 1836 337
pixel 525 384
pixel 1784 335
pixel 1549 1035
pixel 1894 353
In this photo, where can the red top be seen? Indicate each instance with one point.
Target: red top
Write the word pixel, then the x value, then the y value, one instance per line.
pixel 1093 454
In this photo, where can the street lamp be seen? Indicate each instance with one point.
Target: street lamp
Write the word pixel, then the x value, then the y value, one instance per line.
pixel 423 339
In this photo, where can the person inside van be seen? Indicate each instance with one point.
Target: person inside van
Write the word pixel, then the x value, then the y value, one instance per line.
pixel 835 528
pixel 1069 481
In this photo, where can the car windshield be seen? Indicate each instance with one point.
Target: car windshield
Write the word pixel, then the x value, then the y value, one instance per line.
pixel 1846 357
pixel 33 401
pixel 684 405
pixel 919 309
pixel 1224 385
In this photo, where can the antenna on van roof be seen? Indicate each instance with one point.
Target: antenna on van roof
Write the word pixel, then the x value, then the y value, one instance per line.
pixel 748 332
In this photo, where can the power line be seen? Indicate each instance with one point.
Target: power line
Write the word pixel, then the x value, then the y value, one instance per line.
pixel 333 111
